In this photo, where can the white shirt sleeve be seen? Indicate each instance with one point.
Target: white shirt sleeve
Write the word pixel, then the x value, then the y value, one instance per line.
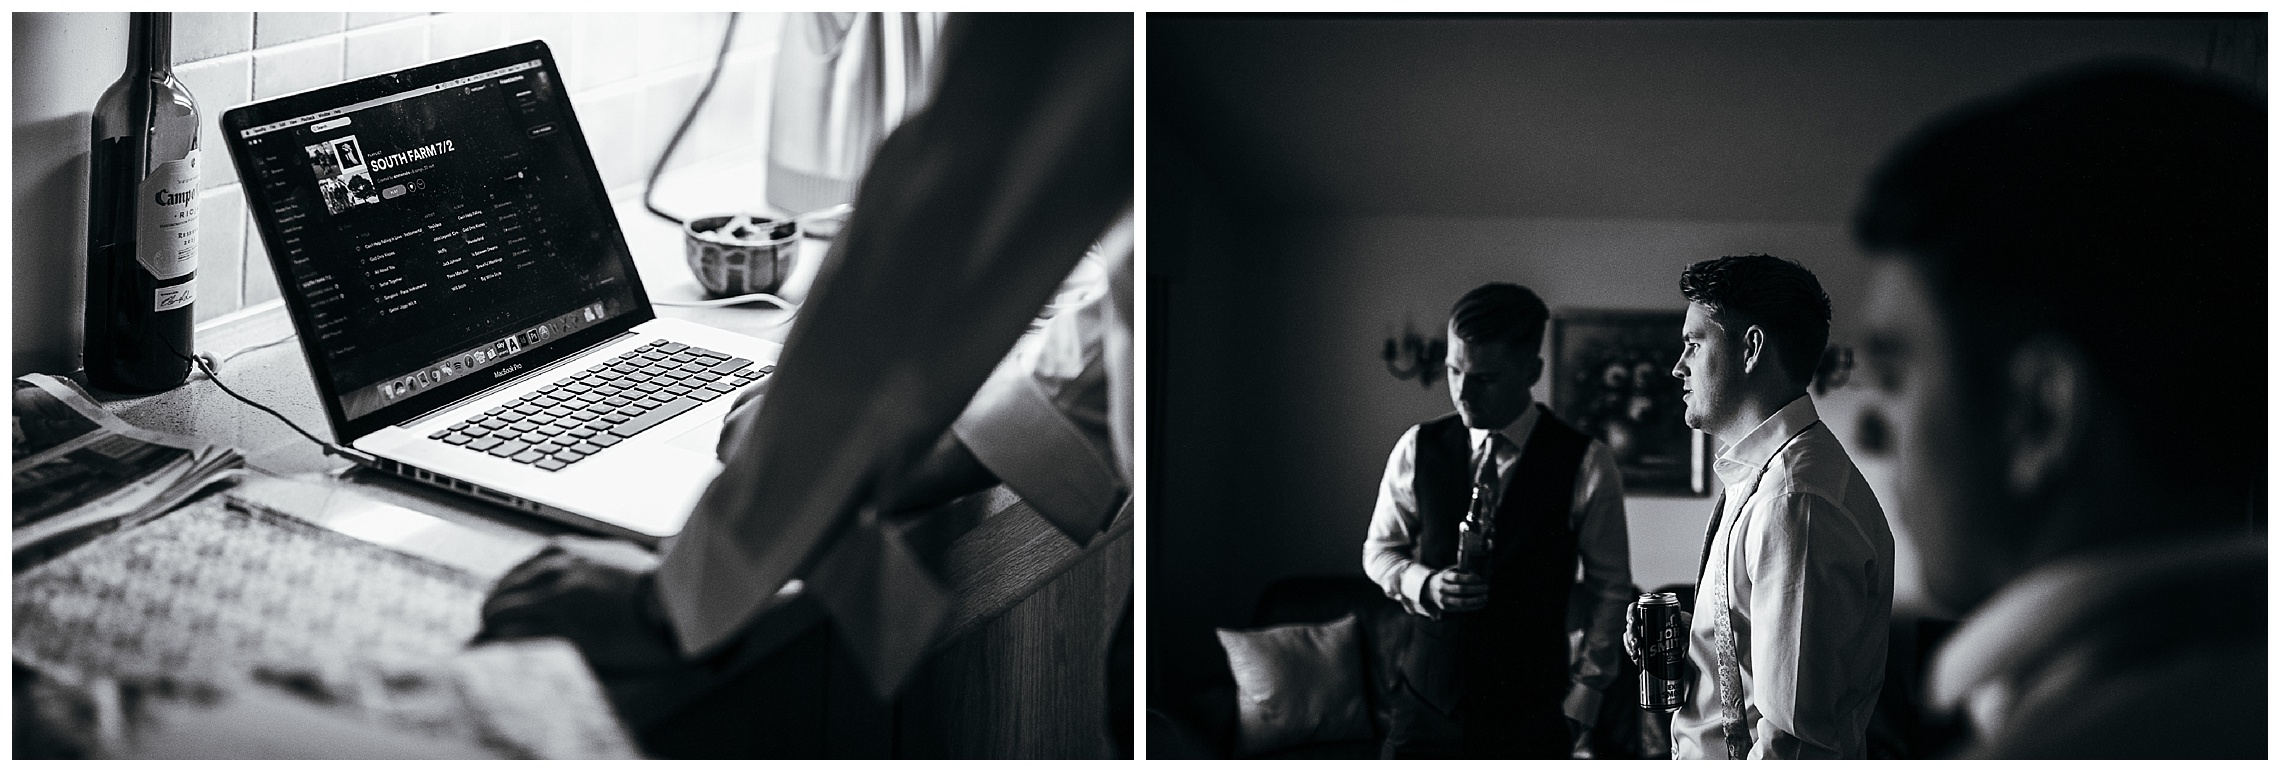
pixel 1040 423
pixel 1603 544
pixel 1393 533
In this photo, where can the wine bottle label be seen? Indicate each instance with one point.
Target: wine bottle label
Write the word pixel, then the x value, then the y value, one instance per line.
pixel 166 219
pixel 177 296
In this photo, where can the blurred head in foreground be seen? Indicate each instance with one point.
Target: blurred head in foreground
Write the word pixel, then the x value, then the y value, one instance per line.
pixel 2066 351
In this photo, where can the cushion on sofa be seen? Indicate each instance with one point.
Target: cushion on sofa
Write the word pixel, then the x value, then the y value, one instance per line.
pixel 1297 684
pixel 1323 598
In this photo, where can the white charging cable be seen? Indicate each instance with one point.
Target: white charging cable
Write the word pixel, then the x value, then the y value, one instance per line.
pixel 757 297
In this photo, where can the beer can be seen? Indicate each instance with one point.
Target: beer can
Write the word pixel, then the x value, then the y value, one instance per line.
pixel 1662 652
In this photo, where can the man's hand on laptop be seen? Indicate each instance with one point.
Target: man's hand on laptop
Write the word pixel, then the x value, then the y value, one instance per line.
pixel 601 595
pixel 740 417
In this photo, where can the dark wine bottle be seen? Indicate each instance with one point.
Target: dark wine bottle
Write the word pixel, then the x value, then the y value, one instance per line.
pixel 142 220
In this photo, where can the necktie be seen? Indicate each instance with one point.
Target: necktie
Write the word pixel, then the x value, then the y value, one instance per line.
pixel 1484 474
pixel 1717 515
pixel 1487 477
pixel 1481 516
pixel 1732 718
pixel 1727 659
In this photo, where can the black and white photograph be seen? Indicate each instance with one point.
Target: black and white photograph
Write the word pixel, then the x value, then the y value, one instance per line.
pixel 324 161
pixel 346 148
pixel 342 178
pixel 1940 297
pixel 501 470
pixel 1118 383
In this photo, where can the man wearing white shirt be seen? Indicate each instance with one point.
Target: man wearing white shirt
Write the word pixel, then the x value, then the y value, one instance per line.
pixel 1485 668
pixel 1789 630
pixel 972 211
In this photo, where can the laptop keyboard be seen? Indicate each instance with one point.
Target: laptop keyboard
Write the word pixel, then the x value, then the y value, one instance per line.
pixel 564 422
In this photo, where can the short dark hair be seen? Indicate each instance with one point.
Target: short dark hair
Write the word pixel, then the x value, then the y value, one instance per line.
pixel 2120 205
pixel 1770 292
pixel 1501 312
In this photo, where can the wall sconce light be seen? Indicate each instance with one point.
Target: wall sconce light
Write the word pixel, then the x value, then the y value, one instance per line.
pixel 1411 355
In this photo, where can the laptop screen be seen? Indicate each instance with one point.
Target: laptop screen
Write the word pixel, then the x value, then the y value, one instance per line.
pixel 434 231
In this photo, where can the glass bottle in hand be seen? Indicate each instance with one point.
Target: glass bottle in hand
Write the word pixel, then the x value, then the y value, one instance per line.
pixel 1476 532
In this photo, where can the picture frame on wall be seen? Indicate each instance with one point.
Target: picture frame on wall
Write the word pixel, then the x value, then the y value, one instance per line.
pixel 1611 379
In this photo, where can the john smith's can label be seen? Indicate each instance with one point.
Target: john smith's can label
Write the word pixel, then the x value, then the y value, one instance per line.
pixel 1662 653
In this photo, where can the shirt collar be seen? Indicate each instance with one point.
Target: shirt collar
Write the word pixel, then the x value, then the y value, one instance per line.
pixel 1517 432
pixel 1743 459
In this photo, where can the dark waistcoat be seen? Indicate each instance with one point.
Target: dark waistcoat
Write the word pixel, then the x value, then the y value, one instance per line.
pixel 1509 658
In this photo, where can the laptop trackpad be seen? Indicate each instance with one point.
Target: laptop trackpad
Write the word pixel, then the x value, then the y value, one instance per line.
pixel 702 439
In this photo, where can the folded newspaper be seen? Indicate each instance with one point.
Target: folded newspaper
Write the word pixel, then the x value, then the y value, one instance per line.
pixel 80 471
pixel 277 619
pixel 228 629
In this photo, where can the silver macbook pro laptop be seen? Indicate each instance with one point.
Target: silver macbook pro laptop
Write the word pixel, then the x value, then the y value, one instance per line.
pixel 466 300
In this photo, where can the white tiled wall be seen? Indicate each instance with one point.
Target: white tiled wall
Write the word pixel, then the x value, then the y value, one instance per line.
pixel 632 76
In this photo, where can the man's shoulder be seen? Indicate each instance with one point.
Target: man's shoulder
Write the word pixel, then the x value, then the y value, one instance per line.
pixel 1446 429
pixel 1421 433
pixel 1550 424
pixel 1816 489
pixel 1815 462
pixel 2059 636
pixel 1446 422
pixel 1816 467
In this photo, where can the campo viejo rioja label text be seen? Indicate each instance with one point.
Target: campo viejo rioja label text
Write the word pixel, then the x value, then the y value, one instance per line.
pixel 166 229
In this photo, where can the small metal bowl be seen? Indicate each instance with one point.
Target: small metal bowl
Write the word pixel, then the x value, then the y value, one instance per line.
pixel 738 254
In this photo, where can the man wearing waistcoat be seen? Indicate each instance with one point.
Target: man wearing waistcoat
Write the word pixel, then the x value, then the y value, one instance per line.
pixel 1484 664
pixel 1786 644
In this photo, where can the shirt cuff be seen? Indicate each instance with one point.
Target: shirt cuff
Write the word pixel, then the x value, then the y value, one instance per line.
pixel 1582 704
pixel 1413 591
pixel 1056 466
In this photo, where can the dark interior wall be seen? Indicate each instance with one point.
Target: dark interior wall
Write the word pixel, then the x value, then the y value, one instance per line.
pixel 1203 339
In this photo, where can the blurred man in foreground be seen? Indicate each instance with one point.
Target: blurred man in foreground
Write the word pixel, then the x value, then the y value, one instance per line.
pixel 2067 349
